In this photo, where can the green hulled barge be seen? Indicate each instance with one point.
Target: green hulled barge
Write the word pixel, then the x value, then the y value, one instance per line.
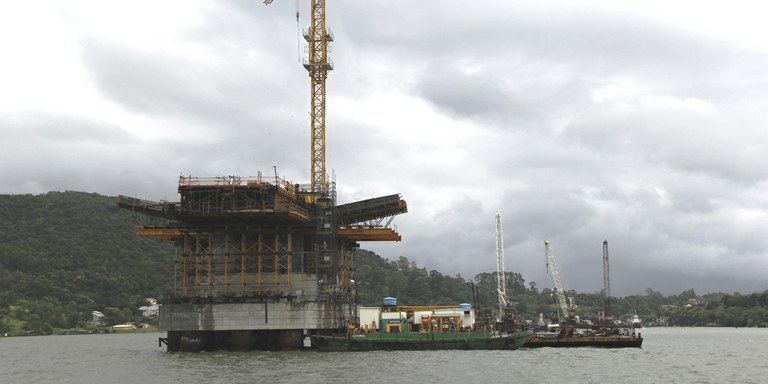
pixel 393 327
pixel 383 341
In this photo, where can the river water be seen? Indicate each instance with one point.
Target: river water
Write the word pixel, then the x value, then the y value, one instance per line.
pixel 668 355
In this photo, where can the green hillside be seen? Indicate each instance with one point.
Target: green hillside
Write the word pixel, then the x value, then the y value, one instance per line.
pixel 377 278
pixel 66 254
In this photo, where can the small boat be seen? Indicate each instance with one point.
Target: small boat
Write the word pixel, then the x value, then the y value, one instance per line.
pixel 379 341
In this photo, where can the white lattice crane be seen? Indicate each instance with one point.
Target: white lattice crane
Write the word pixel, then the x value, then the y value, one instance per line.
pixel 501 278
pixel 568 310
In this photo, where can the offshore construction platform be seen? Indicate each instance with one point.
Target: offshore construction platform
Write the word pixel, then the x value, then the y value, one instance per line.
pixel 261 262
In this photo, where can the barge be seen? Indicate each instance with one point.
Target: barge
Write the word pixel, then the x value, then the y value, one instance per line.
pixel 395 327
pixel 383 341
pixel 622 339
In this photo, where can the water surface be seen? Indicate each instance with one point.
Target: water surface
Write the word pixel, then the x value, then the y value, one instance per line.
pixel 668 355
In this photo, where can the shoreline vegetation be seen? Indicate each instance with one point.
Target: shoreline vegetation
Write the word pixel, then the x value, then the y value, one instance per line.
pixel 109 331
pixel 82 331
pixel 68 254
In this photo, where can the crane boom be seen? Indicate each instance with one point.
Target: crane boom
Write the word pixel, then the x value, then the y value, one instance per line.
pixel 501 278
pixel 567 310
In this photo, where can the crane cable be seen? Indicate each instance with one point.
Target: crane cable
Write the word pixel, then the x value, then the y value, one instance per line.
pixel 298 34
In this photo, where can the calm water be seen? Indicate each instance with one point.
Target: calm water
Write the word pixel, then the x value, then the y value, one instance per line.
pixel 669 355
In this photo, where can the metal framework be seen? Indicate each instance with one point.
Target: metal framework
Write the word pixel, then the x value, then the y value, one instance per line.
pixel 567 310
pixel 501 278
pixel 251 238
pixel 606 282
pixel 211 265
pixel 318 65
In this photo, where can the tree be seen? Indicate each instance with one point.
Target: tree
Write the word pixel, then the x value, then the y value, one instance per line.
pixel 4 326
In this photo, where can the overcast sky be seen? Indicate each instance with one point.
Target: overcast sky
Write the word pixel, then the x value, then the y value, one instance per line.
pixel 639 122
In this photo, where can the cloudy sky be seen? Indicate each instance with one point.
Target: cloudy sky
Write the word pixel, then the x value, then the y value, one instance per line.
pixel 639 122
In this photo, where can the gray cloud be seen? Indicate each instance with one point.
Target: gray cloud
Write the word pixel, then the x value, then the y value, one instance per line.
pixel 578 123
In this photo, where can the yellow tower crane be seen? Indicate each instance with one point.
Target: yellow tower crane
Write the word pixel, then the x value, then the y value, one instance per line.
pixel 318 65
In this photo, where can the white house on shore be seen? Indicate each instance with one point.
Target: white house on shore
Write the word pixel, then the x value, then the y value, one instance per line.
pixel 150 310
pixel 97 318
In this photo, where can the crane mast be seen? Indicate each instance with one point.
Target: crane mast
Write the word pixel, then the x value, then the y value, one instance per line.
pixel 606 282
pixel 317 65
pixel 501 279
pixel 567 310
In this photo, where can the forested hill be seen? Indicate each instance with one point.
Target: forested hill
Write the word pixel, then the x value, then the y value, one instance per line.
pixel 65 254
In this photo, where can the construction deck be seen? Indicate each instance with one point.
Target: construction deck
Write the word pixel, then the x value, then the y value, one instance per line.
pixel 259 256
